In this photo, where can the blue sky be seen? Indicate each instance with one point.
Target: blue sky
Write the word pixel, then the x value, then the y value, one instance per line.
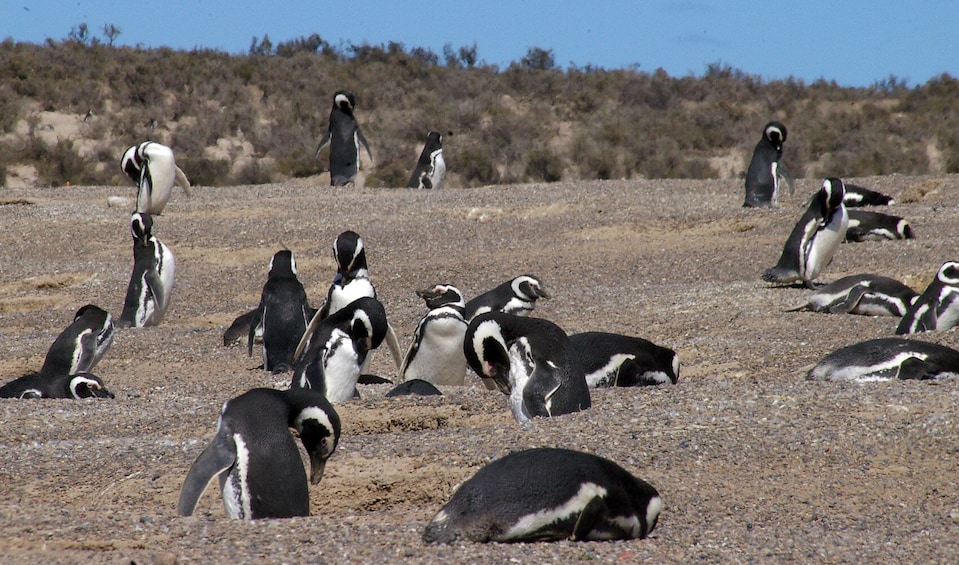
pixel 854 42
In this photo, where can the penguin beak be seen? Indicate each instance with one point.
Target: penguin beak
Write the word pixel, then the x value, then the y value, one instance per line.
pixel 317 466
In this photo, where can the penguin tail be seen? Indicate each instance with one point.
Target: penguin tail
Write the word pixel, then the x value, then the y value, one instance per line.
pixel 777 275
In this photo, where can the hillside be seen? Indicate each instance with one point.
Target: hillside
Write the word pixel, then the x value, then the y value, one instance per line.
pixel 69 108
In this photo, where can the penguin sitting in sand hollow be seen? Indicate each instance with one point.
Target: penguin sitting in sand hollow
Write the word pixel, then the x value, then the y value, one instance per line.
pixel 865 225
pixel 517 296
pixel 151 283
pixel 152 167
pixel 619 360
pixel 765 168
pixel 815 238
pixel 548 494
pixel 39 385
pixel 436 354
pixel 865 294
pixel 529 359
pixel 937 308
pixel 282 315
pixel 430 168
pixel 857 196
pixel 344 137
pixel 887 359
pixel 255 458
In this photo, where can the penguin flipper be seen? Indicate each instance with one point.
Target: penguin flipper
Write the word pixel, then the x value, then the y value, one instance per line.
pixel 155 284
pixel 540 388
pixel 394 344
pixel 914 368
pixel 183 182
pixel 308 335
pixel 326 139
pixel 255 321
pixel 88 351
pixel 362 138
pixel 219 456
pixel 851 302
pixel 589 516
pixel 928 320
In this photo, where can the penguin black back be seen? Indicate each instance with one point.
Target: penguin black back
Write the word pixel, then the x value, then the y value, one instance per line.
pixel 82 344
pixel 344 137
pixel 762 176
pixel 618 360
pixel 430 167
pixel 282 315
pixel 151 283
pixel 39 385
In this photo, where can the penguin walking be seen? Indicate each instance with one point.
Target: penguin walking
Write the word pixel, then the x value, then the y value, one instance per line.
pixel 82 344
pixel 865 294
pixel 352 281
pixel 765 169
pixel 331 356
pixel 436 354
pixel 548 494
pixel 861 196
pixel 152 167
pixel 619 360
pixel 529 359
pixel 282 315
pixel 865 225
pixel 815 238
pixel 430 168
pixel 517 296
pixel 255 458
pixel 887 359
pixel 937 308
pixel 344 136
pixel 151 284
pixel 60 385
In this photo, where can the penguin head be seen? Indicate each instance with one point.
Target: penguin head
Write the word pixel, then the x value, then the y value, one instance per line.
pixel 361 332
pixel 831 195
pixel 349 254
pixel 131 165
pixel 318 425
pixel 344 101
pixel 283 264
pixel 775 134
pixel 100 320
pixel 434 139
pixel 949 273
pixel 529 287
pixel 441 295
pixel 487 351
pixel 87 385
pixel 141 226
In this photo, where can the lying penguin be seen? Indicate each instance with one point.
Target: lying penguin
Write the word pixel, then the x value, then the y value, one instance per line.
pixel 865 294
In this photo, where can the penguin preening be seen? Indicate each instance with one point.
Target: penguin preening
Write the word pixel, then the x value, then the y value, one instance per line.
pixel 529 359
pixel 548 494
pixel 430 168
pixel 619 360
pixel 517 296
pixel 765 168
pixel 333 351
pixel 937 308
pixel 153 168
pixel 282 315
pixel 815 238
pixel 82 344
pixel 865 294
pixel 886 359
pixel 256 459
pixel 151 283
pixel 344 137
pixel 436 354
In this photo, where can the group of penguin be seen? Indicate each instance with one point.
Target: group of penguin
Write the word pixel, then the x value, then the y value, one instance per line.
pixel 810 247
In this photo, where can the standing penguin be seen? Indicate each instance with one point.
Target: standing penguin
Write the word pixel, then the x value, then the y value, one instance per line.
pixel 82 344
pixel 530 359
pixel 152 167
pixel 352 281
pixel 344 136
pixel 517 296
pixel 430 168
pixel 815 238
pixel 151 284
pixel 620 360
pixel 762 177
pixel 436 354
pixel 548 494
pixel 333 351
pixel 937 308
pixel 282 315
pixel 253 454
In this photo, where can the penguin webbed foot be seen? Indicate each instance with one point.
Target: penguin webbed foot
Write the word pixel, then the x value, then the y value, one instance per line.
pixel 812 285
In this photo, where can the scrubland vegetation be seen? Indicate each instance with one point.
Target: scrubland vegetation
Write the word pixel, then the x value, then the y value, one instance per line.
pixel 256 117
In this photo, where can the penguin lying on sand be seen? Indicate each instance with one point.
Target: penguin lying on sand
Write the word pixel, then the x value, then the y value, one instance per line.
pixel 869 295
pixel 886 359
pixel 517 296
pixel 937 308
pixel 865 225
pixel 619 360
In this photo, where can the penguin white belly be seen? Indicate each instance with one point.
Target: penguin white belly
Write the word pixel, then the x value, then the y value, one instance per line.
pixel 520 372
pixel 147 305
pixel 605 375
pixel 439 358
pixel 948 317
pixel 341 368
pixel 774 171
pixel 824 244
pixel 437 169
pixel 166 267
pixel 343 295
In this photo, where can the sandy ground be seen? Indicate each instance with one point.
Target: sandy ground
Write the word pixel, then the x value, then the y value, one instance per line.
pixel 754 463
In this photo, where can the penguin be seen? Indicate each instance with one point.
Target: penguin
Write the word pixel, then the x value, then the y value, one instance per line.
pixel 618 360
pixel 865 225
pixel 861 196
pixel 529 359
pixel 815 239
pixel 59 385
pixel 81 345
pixel 548 494
pixel 865 294
pixel 282 315
pixel 152 167
pixel 148 294
pixel 344 136
pixel 517 296
pixel 436 354
pixel 430 168
pixel 333 351
pixel 762 176
pixel 255 458
pixel 352 281
pixel 239 331
pixel 886 359
pixel 937 308
pixel 414 387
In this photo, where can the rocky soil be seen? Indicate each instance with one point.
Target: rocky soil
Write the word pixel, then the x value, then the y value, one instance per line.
pixel 754 463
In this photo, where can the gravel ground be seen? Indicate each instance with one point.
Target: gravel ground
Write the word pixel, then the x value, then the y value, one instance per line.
pixel 754 463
